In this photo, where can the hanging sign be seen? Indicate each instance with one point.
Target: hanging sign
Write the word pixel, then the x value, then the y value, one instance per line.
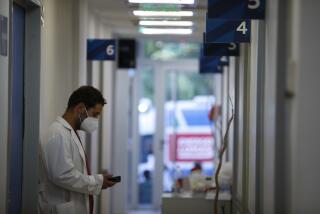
pixel 228 31
pixel 221 49
pixel 236 9
pixel 224 61
pixel 211 64
pixel 101 49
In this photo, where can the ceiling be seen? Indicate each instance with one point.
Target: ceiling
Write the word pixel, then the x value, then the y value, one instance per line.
pixel 119 15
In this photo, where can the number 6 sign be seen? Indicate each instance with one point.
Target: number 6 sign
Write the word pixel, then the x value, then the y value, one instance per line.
pixel 101 49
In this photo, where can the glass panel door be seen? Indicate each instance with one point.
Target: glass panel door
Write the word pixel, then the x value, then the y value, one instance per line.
pixel 175 134
pixel 188 133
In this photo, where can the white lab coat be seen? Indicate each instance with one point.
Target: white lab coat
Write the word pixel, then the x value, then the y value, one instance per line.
pixel 64 184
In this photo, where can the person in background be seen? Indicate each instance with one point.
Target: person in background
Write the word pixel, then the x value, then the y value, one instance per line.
pixel 197 167
pixel 145 188
pixel 66 185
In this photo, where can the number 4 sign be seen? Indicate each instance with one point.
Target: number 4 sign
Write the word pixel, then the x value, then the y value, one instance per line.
pixel 236 9
pixel 228 31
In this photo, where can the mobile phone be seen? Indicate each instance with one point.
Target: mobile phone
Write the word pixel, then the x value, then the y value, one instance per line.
pixel 115 179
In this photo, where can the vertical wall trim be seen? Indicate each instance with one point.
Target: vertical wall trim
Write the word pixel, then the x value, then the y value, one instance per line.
pixel 260 117
pixel 281 169
pixel 246 122
pixel 120 142
pixel 236 135
pixel 135 139
pixel 32 109
pixel 159 134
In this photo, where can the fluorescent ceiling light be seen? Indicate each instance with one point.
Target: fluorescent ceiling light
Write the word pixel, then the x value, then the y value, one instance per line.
pixel 158 31
pixel 166 23
pixel 162 1
pixel 162 13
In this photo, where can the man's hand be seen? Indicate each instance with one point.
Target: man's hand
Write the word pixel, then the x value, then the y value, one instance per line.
pixel 106 182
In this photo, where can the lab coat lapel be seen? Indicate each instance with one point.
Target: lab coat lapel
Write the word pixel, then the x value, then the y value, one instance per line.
pixel 75 140
pixel 80 148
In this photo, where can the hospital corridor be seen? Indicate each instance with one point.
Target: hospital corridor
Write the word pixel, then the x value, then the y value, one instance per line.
pixel 159 106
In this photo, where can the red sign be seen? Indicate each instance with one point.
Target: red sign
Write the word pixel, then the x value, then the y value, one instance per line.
pixel 191 147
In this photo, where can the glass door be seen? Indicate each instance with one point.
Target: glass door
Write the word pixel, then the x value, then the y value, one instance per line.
pixel 174 134
pixel 187 133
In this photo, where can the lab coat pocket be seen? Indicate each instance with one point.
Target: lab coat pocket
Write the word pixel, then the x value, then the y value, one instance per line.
pixel 66 208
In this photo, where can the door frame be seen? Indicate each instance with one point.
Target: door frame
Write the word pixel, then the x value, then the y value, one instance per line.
pixel 15 148
pixel 32 69
pixel 161 68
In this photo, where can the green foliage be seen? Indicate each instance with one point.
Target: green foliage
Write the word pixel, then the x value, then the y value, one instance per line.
pixel 189 85
pixel 182 85
pixel 147 77
pixel 157 50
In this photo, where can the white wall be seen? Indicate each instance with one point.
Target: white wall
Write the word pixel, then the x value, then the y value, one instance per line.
pixel 61 57
pixel 4 99
pixel 305 131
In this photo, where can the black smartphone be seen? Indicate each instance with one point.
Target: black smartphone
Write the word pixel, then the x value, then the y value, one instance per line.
pixel 115 179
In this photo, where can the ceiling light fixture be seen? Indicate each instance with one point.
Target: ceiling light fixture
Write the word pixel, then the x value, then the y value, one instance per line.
pixel 166 23
pixel 162 13
pixel 161 31
pixel 162 1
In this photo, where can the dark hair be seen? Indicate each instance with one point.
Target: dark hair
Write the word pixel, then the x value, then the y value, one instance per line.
pixel 88 95
pixel 147 174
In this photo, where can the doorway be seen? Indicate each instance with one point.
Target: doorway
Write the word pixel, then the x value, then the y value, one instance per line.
pixel 173 103
pixel 17 111
pixel 24 117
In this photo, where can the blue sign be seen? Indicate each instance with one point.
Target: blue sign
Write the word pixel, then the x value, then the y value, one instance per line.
pixel 224 61
pixel 101 49
pixel 221 49
pixel 228 31
pixel 236 9
pixel 210 65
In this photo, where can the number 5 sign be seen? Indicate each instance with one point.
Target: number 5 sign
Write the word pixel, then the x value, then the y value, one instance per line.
pixel 101 49
pixel 228 31
pixel 236 9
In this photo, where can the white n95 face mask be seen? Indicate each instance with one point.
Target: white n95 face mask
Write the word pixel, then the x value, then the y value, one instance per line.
pixel 90 124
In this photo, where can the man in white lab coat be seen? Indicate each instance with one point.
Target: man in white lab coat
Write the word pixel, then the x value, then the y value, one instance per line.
pixel 65 181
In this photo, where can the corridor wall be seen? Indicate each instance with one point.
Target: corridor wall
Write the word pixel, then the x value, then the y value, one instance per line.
pixel 60 58
pixel 259 104
pixel 277 131
pixel 302 121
